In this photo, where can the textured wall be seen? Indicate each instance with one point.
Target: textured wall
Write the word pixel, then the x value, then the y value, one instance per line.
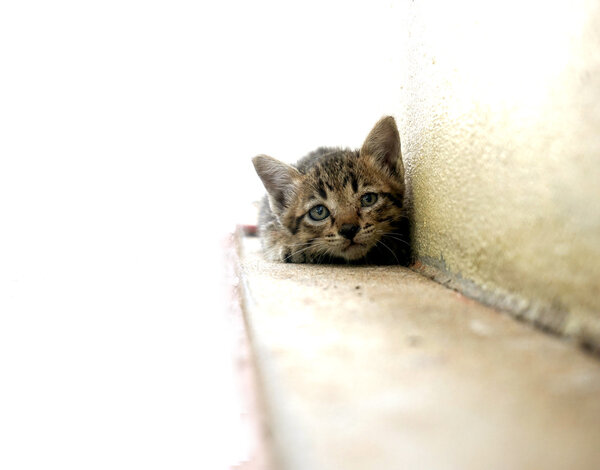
pixel 500 124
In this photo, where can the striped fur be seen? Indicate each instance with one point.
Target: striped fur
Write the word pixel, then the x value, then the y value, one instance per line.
pixel 337 179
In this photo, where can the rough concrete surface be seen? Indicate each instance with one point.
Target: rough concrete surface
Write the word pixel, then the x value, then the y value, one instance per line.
pixel 368 368
pixel 499 119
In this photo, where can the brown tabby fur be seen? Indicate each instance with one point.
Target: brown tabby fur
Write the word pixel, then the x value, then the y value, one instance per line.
pixel 337 179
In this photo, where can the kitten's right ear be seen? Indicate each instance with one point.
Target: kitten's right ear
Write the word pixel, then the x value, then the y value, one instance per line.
pixel 279 179
pixel 383 143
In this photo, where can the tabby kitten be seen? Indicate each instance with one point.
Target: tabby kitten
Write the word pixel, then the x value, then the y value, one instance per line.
pixel 337 205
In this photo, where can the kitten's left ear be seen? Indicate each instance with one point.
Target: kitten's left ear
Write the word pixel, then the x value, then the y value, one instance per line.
pixel 383 143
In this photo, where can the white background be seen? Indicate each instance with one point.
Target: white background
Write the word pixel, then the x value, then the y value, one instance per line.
pixel 126 132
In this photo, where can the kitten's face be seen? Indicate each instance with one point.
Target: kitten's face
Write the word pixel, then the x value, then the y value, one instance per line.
pixel 334 203
pixel 343 206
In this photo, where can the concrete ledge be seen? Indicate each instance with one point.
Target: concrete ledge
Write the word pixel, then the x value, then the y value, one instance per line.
pixel 380 368
pixel 578 326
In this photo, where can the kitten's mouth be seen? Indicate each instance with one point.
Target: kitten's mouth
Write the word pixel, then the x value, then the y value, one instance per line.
pixel 353 245
pixel 353 250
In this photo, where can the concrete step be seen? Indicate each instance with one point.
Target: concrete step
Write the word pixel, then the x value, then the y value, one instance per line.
pixel 379 368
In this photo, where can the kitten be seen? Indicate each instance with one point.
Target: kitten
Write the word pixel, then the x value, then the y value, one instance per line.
pixel 337 205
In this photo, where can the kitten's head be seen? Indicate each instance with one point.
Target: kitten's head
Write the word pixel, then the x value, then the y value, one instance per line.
pixel 339 203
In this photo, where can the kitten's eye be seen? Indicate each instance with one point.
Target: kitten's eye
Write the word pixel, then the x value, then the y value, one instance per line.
pixel 319 212
pixel 368 199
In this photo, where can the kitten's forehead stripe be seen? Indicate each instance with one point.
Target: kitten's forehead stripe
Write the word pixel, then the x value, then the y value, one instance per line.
pixel 321 189
pixel 354 182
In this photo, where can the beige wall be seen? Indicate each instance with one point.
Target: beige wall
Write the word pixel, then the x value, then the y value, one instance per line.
pixel 500 120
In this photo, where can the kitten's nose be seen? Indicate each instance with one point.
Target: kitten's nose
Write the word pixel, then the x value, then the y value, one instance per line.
pixel 349 230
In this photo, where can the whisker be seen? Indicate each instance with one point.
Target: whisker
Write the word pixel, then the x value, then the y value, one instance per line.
pixel 300 244
pixel 397 239
pixel 390 250
pixel 297 252
pixel 392 235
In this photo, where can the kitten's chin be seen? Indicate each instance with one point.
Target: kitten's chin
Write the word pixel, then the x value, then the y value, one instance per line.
pixel 354 251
